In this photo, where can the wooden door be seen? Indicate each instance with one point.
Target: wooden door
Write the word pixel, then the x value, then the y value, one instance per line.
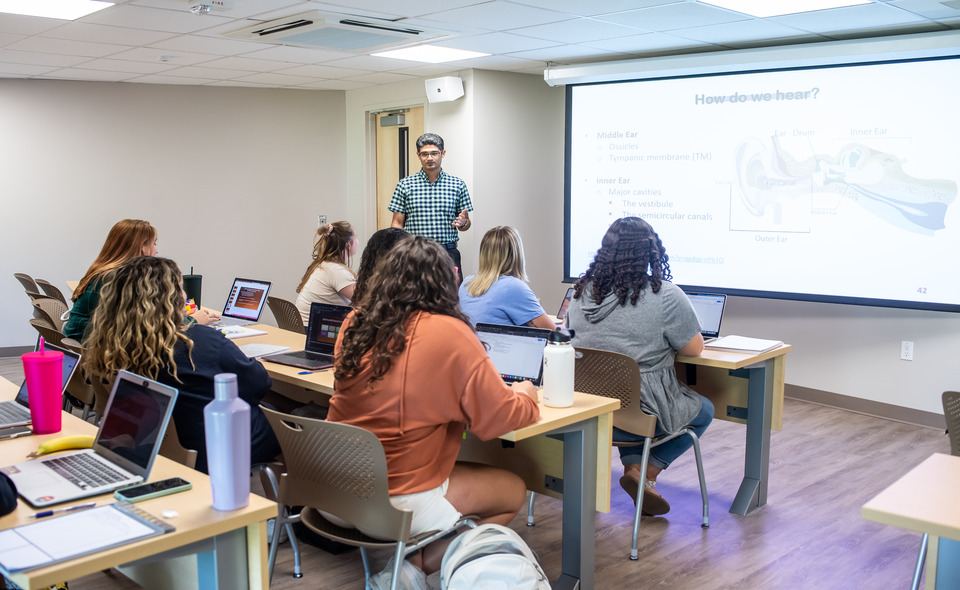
pixel 396 156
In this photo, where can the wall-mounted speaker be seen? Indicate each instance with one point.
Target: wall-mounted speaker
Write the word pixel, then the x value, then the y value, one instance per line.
pixel 444 89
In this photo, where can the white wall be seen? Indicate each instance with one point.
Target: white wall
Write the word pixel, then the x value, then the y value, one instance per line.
pixel 232 178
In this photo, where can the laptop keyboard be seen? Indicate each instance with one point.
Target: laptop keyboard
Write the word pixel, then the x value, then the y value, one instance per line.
pixel 312 356
pixel 13 412
pixel 84 471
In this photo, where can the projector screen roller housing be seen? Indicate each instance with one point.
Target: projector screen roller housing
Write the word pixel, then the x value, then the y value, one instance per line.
pixel 835 184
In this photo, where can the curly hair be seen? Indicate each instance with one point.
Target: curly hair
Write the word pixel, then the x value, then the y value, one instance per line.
pixel 139 320
pixel 126 240
pixel 421 279
pixel 379 244
pixel 630 257
pixel 333 245
pixel 501 254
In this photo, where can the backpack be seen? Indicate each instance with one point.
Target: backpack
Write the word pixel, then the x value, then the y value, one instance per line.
pixel 491 557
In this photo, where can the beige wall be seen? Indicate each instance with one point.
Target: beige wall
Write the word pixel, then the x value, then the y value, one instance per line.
pixel 232 178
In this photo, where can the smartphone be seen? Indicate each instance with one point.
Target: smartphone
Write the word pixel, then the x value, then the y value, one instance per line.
pixel 14 432
pixel 145 491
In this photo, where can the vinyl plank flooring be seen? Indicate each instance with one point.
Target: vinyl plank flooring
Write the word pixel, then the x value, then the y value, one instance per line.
pixel 823 466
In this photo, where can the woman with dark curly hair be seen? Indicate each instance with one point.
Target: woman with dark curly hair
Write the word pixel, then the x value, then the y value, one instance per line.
pixel 411 370
pixel 625 303
pixel 377 246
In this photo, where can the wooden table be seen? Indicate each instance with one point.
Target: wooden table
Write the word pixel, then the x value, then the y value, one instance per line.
pixel 746 388
pixel 567 450
pixel 230 547
pixel 926 500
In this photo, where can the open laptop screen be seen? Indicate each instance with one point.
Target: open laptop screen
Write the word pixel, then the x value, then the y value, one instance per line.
pixel 246 300
pixel 324 325
pixel 516 351
pixel 709 310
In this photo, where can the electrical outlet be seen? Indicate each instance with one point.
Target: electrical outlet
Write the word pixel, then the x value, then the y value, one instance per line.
pixel 906 350
pixel 321 220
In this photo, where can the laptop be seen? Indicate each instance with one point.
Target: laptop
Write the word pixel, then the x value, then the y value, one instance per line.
pixel 709 310
pixel 17 412
pixel 244 304
pixel 562 313
pixel 516 351
pixel 322 329
pixel 127 442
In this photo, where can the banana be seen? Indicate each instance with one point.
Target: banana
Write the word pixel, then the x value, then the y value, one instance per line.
pixel 62 443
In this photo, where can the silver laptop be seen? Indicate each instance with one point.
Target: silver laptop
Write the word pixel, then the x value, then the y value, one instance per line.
pixel 127 442
pixel 516 351
pixel 323 326
pixel 17 412
pixel 709 310
pixel 244 304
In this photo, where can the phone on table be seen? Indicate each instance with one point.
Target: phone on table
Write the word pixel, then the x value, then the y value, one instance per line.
pixel 14 432
pixel 146 491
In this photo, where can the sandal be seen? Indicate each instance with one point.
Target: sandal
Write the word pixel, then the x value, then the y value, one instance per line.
pixel 653 503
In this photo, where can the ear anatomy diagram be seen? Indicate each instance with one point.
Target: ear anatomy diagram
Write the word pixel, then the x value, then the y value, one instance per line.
pixel 774 184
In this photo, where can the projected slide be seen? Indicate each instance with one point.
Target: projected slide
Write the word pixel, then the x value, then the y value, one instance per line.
pixel 837 181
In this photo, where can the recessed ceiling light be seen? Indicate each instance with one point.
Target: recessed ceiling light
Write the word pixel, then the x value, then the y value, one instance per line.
pixel 431 54
pixel 61 9
pixel 767 8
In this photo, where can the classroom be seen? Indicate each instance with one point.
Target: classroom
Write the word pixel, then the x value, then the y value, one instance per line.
pixel 234 175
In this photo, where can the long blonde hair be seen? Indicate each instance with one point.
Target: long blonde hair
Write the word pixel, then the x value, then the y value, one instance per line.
pixel 139 320
pixel 333 245
pixel 501 254
pixel 126 240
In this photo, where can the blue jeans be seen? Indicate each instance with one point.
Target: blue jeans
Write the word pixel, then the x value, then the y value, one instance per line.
pixel 663 455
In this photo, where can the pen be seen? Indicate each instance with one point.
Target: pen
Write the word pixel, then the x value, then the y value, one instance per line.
pixel 305 373
pixel 53 511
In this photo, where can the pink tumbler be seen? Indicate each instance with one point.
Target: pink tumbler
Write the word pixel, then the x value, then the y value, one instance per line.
pixel 43 371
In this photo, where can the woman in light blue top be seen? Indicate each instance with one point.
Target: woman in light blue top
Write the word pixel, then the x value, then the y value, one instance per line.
pixel 498 293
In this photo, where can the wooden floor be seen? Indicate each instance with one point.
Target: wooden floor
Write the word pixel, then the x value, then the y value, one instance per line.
pixel 824 466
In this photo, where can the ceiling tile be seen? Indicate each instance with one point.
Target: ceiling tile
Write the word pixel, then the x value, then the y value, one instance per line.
pixel 246 63
pixel 14 70
pixel 641 43
pixel 209 73
pixel 155 19
pixel 407 8
pixel 43 59
pixel 274 79
pixel 89 75
pixel 581 8
pixel 927 8
pixel 81 31
pixel 335 85
pixel 500 15
pixel 379 78
pixel 303 55
pixel 564 53
pixel 746 30
pixel 66 47
pixel 27 25
pixel 152 54
pixel 673 16
pixel 497 43
pixel 241 8
pixel 321 71
pixel 578 31
pixel 211 45
pixel 132 67
pixel 371 63
pixel 851 17
pixel 162 79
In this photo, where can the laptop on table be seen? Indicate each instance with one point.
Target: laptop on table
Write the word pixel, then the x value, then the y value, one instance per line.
pixel 516 351
pixel 244 304
pixel 323 326
pixel 17 412
pixel 709 310
pixel 127 442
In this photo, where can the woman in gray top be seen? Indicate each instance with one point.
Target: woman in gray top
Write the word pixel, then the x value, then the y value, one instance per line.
pixel 624 303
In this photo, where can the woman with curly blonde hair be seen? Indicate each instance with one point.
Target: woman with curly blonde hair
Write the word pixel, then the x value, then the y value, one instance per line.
pixel 328 278
pixel 140 326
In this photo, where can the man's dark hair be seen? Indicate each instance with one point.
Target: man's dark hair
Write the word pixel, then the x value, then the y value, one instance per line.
pixel 429 139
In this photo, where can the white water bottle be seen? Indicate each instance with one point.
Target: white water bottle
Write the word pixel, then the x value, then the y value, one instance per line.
pixel 558 360
pixel 227 427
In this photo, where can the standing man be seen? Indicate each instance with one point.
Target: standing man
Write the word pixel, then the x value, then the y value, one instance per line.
pixel 432 203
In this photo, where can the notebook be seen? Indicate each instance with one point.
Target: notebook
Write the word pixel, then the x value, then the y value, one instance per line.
pixel 322 329
pixel 126 444
pixel 17 412
pixel 244 304
pixel 709 310
pixel 516 351
pixel 562 313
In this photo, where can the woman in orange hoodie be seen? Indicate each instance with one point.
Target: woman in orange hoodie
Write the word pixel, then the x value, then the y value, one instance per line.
pixel 412 371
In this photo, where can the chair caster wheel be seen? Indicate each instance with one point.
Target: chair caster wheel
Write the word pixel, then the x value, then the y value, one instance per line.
pixel 298 576
pixel 531 524
pixel 634 557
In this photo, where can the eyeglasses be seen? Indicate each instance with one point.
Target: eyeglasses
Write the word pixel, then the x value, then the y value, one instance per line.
pixel 429 154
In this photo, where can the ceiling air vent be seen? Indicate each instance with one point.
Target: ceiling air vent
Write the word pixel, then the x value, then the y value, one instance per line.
pixel 335 31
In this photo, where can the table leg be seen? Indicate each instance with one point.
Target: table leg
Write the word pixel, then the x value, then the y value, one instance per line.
pixel 579 507
pixel 753 489
pixel 224 565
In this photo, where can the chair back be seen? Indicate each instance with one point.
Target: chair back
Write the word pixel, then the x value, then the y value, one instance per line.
pixel 51 335
pixel 51 310
pixel 951 411
pixel 51 290
pixel 340 469
pixel 617 376
pixel 41 322
pixel 286 314
pixel 27 281
pixel 171 448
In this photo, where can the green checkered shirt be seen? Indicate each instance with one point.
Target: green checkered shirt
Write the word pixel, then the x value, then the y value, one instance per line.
pixel 429 209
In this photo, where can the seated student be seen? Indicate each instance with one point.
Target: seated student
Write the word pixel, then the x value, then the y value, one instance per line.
pixel 498 293
pixel 328 278
pixel 624 303
pixel 139 326
pixel 411 370
pixel 379 244
pixel 127 239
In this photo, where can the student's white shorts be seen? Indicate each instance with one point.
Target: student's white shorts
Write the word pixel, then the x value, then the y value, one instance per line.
pixel 431 510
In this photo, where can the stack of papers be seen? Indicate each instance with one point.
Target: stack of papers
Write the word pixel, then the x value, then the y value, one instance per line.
pixel 743 344
pixel 232 332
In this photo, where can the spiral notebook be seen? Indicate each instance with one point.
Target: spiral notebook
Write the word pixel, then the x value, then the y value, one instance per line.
pixel 55 539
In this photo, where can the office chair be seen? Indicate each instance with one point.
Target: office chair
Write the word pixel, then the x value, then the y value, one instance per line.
pixel 951 413
pixel 52 291
pixel 286 314
pixel 27 281
pixel 342 470
pixel 52 310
